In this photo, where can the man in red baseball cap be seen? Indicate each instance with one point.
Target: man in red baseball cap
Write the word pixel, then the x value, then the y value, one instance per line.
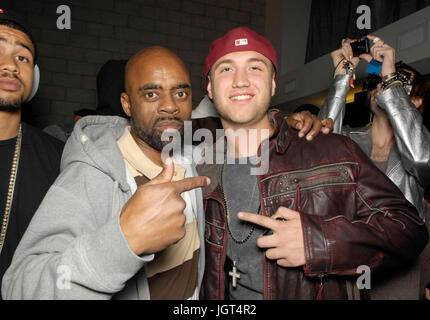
pixel 301 228
pixel 245 65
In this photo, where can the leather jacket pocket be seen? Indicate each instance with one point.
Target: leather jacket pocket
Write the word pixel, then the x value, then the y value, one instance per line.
pixel 303 190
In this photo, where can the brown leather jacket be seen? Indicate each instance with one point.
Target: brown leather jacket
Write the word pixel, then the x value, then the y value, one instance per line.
pixel 351 215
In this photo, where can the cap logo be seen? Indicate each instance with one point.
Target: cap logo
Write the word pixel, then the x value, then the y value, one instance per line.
pixel 241 42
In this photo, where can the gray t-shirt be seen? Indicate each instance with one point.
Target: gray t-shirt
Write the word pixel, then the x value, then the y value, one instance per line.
pixel 242 193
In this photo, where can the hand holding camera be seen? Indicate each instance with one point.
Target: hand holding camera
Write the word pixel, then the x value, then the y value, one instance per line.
pixel 368 48
pixel 342 55
pixel 384 53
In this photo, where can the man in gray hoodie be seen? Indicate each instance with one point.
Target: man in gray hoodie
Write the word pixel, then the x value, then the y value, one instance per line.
pixel 104 230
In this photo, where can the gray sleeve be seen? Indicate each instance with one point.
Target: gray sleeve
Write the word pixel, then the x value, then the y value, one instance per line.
pixel 73 248
pixel 412 137
pixel 334 104
pixel 56 131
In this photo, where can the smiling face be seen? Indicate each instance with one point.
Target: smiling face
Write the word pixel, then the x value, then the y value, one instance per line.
pixel 241 85
pixel 16 68
pixel 158 95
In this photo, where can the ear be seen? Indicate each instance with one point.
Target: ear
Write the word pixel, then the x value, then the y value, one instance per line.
pixel 125 102
pixel 209 87
pixel 417 101
pixel 273 84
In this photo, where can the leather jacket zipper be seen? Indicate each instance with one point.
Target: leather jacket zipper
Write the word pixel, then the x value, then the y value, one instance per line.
pixel 320 287
pixel 320 176
pixel 224 257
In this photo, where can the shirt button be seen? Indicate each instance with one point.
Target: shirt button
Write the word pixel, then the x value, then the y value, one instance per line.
pixel 296 180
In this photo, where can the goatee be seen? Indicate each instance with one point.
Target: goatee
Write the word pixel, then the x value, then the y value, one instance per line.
pixel 153 138
pixel 11 106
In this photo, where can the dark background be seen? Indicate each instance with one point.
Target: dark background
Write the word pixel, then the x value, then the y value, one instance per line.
pixel 116 29
pixel 102 30
pixel 333 20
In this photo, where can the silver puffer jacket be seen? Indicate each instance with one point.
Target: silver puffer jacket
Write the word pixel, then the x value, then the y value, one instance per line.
pixel 408 164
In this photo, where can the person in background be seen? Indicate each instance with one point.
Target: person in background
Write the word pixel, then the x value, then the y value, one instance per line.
pixel 204 116
pixel 308 107
pixel 63 131
pixel 29 158
pixel 79 114
pixel 396 142
pixel 110 85
pixel 426 111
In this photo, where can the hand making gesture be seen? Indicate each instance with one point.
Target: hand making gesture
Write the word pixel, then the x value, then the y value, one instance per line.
pixel 286 244
pixel 154 217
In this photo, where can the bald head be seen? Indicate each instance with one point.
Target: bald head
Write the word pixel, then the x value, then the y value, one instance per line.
pixel 155 59
pixel 158 94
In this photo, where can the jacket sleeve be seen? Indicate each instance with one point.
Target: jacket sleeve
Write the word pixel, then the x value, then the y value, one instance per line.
pixel 71 249
pixel 385 232
pixel 412 137
pixel 334 104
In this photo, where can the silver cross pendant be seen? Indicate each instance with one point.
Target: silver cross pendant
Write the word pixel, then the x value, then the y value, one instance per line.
pixel 234 275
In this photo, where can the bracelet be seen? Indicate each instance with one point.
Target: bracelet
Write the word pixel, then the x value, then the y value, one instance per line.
pixel 350 68
pixel 394 84
pixel 391 83
pixel 395 77
pixel 389 76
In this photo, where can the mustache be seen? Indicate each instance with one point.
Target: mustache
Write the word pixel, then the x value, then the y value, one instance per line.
pixel 11 76
pixel 172 118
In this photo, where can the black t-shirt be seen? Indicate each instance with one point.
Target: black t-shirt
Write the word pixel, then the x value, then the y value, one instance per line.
pixel 39 165
pixel 7 148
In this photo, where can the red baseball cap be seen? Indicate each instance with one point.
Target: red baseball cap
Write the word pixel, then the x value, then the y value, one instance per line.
pixel 239 39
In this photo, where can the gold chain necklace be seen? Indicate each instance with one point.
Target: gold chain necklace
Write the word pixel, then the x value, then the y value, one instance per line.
pixel 10 192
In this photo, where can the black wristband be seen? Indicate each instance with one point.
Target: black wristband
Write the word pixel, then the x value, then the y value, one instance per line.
pixel 391 78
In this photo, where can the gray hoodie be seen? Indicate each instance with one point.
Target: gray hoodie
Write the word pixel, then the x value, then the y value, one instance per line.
pixel 74 247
